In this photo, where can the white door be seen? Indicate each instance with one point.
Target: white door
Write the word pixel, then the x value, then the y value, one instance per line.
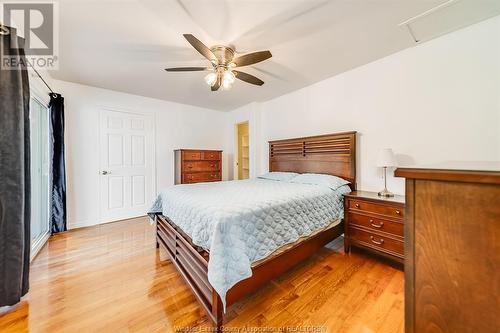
pixel 127 164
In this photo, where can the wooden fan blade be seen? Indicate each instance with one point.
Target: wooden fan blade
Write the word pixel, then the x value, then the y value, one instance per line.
pixel 200 47
pixel 252 58
pixel 186 69
pixel 248 78
pixel 217 84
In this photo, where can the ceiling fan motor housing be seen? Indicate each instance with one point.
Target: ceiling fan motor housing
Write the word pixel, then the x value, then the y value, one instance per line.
pixel 223 53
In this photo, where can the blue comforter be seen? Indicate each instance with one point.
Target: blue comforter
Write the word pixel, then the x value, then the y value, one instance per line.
pixel 241 222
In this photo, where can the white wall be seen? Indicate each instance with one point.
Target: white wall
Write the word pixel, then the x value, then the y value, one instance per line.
pixel 435 102
pixel 177 126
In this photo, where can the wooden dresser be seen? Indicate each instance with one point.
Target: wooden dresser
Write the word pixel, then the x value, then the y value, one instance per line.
pixel 196 166
pixel 452 250
pixel 374 223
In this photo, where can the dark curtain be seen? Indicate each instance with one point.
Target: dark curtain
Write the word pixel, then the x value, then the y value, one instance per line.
pixel 58 178
pixel 14 172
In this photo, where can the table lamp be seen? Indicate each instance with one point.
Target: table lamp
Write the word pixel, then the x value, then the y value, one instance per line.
pixel 386 159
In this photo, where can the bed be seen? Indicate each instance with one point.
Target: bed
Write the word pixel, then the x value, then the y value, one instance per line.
pixel 239 235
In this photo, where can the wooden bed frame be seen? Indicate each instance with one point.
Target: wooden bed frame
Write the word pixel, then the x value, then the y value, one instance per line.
pixel 333 154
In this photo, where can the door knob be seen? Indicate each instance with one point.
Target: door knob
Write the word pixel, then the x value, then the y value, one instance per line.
pixel 104 172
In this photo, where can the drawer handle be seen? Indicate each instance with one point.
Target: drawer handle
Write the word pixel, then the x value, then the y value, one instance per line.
pixel 212 165
pixel 398 212
pixel 189 166
pixel 380 242
pixel 380 225
pixel 357 205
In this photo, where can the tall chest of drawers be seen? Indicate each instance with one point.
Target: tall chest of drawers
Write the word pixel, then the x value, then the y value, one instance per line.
pixel 196 166
pixel 452 258
pixel 375 223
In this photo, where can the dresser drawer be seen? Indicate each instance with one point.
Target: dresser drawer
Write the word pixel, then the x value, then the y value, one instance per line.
pixel 191 155
pixel 376 241
pixel 214 176
pixel 211 155
pixel 195 166
pixel 201 177
pixel 371 207
pixel 376 224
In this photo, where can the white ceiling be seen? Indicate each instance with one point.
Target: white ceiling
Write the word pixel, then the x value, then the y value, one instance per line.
pixel 124 45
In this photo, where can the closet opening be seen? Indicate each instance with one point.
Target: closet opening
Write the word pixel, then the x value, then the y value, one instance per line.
pixel 243 151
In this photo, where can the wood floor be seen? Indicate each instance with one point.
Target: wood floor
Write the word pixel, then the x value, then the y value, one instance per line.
pixel 109 278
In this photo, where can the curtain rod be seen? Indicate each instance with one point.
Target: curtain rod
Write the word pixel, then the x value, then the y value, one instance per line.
pixel 4 30
pixel 41 78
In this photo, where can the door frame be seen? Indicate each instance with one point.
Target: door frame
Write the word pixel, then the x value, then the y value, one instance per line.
pixel 152 114
pixel 36 246
pixel 236 174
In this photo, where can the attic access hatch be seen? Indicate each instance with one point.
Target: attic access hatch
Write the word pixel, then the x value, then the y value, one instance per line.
pixel 449 16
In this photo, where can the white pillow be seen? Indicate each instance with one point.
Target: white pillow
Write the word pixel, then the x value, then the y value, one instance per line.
pixel 332 182
pixel 281 176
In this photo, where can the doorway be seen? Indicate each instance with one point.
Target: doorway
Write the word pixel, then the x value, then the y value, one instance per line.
pixel 243 161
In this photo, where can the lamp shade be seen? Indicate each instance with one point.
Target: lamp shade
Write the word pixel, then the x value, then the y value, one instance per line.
pixel 386 158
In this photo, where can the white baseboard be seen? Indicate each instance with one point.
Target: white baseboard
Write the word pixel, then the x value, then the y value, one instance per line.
pixel 92 222
pixel 83 224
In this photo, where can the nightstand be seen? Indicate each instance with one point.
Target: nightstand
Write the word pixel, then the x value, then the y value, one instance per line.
pixel 374 223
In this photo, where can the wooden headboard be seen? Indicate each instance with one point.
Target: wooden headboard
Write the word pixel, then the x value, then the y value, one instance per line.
pixel 332 154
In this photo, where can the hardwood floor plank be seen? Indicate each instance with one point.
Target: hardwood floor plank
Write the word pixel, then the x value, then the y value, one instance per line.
pixel 111 278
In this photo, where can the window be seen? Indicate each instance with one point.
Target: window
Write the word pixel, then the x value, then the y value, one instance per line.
pixel 39 129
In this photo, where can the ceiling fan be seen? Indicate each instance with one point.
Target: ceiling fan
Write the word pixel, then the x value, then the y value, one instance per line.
pixel 223 60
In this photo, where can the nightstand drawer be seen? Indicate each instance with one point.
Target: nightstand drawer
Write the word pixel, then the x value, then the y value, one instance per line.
pixel 376 241
pixel 376 224
pixel 372 207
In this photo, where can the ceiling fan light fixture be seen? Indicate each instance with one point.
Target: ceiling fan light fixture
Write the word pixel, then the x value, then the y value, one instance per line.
pixel 211 78
pixel 229 76
pixel 226 85
pixel 228 79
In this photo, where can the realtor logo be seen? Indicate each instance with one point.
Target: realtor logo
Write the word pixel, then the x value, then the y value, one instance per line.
pixel 37 23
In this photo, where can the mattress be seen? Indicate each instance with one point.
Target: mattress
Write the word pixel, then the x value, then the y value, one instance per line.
pixel 243 222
